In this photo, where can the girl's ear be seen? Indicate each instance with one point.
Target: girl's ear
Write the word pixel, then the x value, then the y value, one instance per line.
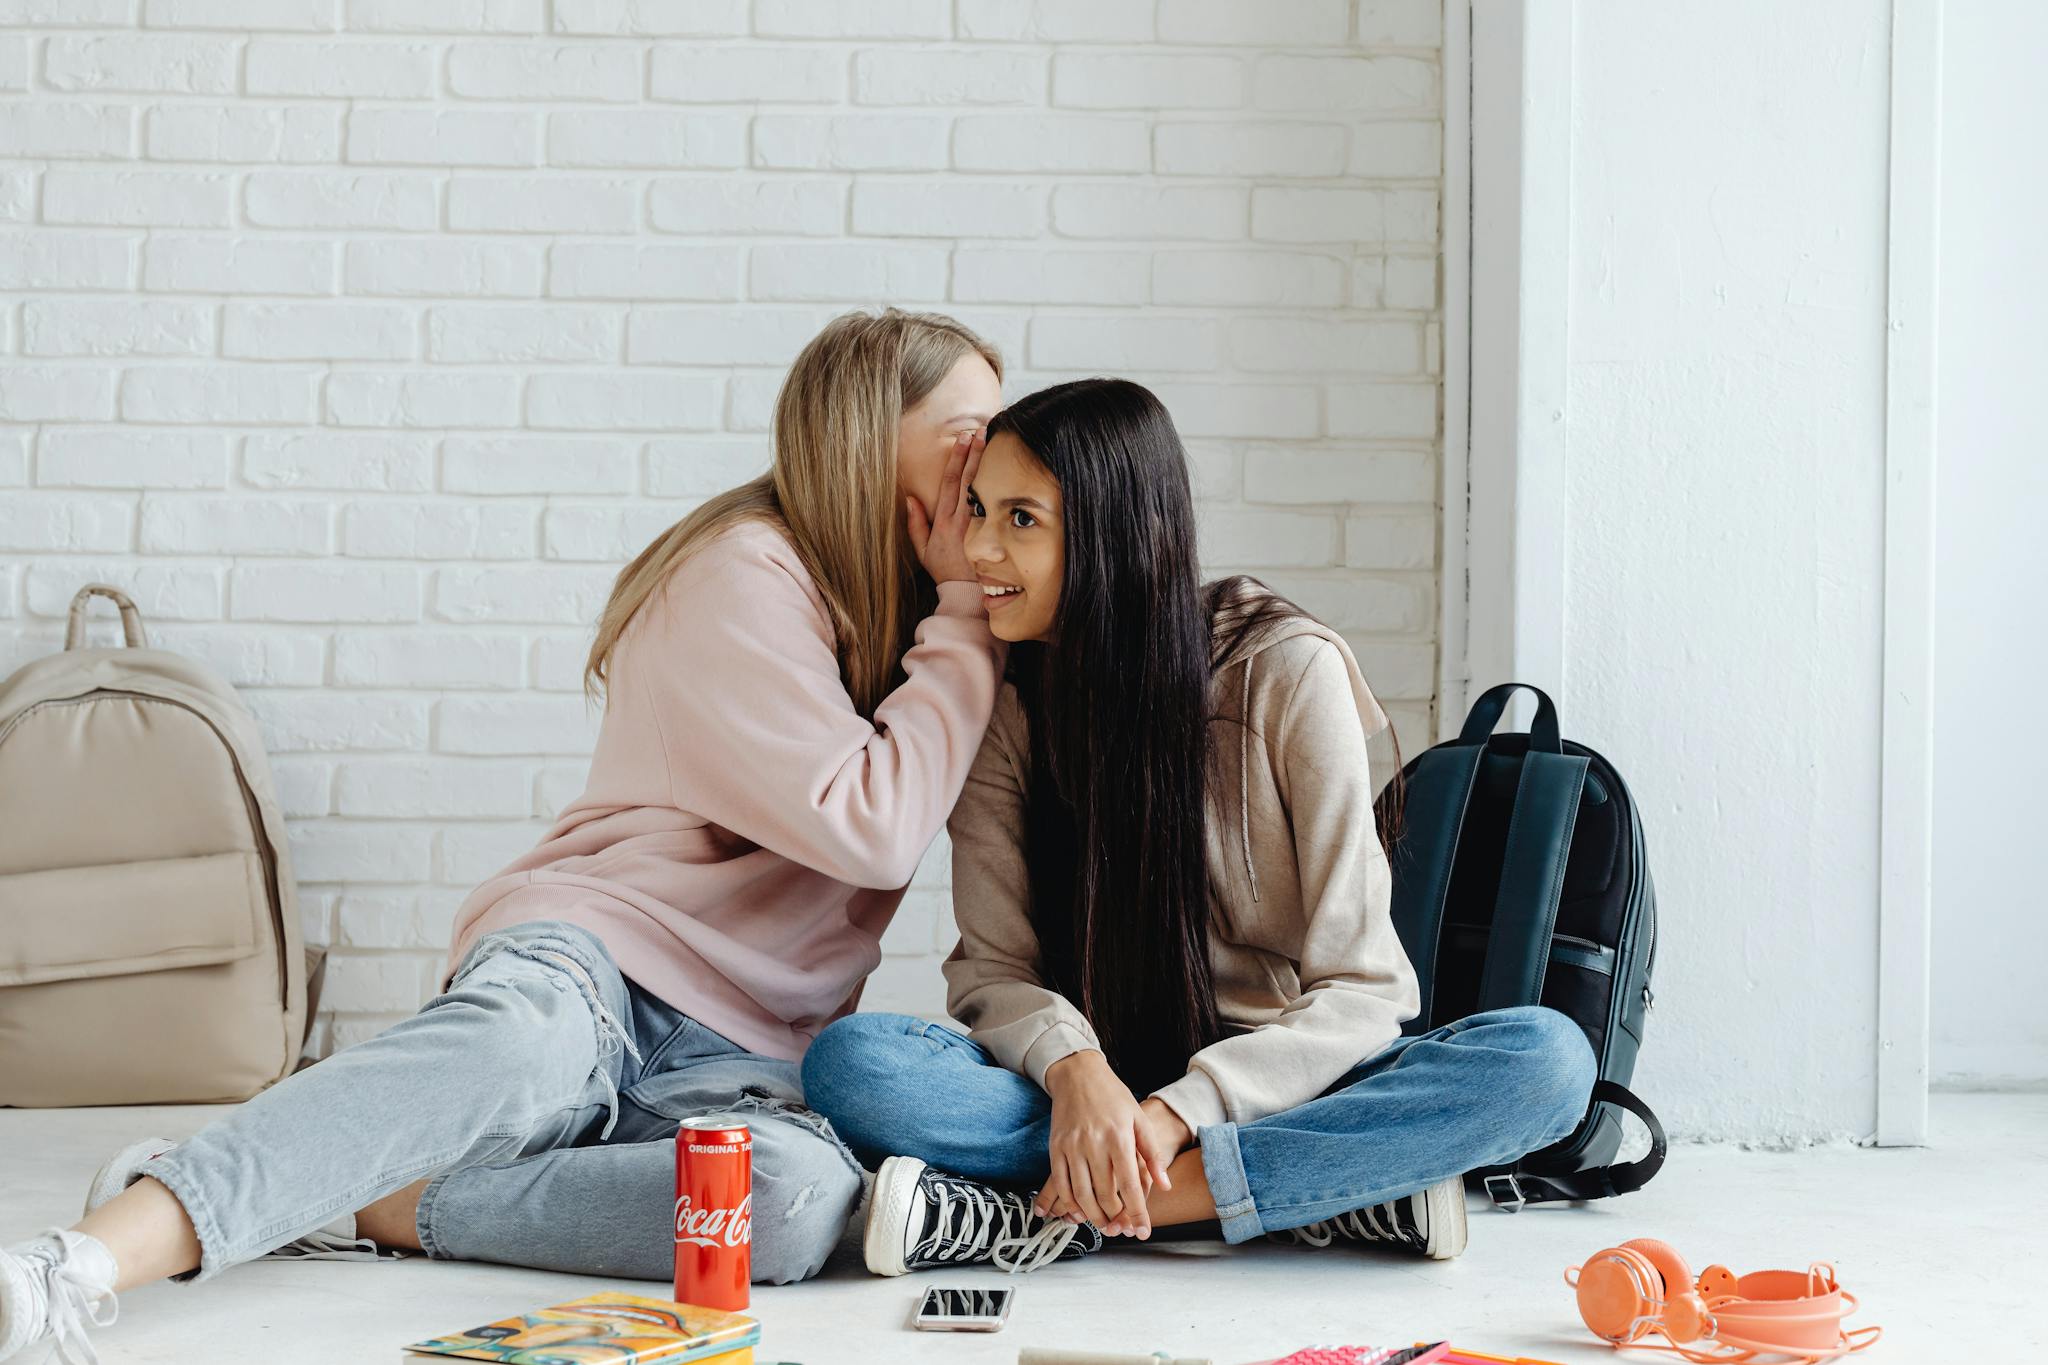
pixel 920 525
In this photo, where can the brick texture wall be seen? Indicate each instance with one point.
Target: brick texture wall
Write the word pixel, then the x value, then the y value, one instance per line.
pixel 362 340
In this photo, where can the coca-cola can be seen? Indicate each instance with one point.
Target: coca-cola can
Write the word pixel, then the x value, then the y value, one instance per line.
pixel 714 1213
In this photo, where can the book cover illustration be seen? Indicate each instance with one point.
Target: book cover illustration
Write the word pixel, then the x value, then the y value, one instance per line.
pixel 603 1329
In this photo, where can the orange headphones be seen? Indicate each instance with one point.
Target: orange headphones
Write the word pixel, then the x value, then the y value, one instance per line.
pixel 1644 1286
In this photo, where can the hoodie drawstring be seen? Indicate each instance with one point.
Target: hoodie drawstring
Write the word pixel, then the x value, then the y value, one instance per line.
pixel 1244 777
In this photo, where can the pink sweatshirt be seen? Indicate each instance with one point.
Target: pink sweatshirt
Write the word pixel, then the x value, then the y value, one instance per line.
pixel 745 836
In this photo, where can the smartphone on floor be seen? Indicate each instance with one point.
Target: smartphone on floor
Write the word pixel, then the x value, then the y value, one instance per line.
pixel 962 1310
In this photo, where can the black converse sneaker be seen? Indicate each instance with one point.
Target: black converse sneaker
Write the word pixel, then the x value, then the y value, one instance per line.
pixel 1431 1221
pixel 919 1218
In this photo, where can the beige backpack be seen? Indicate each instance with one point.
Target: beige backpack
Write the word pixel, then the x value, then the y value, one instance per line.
pixel 149 934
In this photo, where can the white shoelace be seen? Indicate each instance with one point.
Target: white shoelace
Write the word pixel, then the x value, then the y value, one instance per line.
pixel 1366 1225
pixel 327 1246
pixel 1041 1248
pixel 73 1301
pixel 989 1220
pixel 1314 1235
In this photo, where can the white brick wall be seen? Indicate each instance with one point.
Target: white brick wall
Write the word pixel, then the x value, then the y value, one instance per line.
pixel 362 340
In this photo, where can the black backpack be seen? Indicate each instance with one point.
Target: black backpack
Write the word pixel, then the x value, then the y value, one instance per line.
pixel 1520 879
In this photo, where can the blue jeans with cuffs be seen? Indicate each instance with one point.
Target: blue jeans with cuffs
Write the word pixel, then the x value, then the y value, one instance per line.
pixel 541 1092
pixel 1479 1092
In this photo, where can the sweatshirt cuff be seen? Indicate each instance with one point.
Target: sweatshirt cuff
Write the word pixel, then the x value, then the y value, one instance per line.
pixel 1056 1044
pixel 1196 1098
pixel 961 597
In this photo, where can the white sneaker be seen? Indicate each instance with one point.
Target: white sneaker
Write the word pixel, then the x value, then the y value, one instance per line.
pixel 337 1241
pixel 1430 1221
pixel 919 1218
pixel 51 1288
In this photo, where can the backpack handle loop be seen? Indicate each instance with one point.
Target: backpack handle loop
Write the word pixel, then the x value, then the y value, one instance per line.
pixel 1493 704
pixel 131 619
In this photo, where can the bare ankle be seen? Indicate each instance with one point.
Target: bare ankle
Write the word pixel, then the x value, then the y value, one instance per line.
pixel 148 1232
pixel 393 1221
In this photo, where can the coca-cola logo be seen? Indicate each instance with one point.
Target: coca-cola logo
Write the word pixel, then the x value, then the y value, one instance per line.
pixel 713 1227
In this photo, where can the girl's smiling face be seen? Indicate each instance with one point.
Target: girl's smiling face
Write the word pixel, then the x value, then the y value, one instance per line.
pixel 1016 540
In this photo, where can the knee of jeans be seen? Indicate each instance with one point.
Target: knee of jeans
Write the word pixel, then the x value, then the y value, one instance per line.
pixel 1558 1064
pixel 796 1231
pixel 848 1067
pixel 517 1003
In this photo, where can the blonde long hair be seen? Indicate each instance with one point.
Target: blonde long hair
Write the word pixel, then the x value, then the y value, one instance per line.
pixel 832 489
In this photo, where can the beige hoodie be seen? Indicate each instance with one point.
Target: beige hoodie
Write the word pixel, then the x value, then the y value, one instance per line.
pixel 1310 977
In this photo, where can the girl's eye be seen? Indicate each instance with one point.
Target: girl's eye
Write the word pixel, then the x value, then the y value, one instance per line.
pixel 1021 519
pixel 974 507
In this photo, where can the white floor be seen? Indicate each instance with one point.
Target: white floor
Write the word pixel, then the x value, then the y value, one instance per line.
pixel 1942 1243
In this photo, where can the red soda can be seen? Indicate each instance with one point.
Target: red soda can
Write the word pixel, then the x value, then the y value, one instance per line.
pixel 714 1213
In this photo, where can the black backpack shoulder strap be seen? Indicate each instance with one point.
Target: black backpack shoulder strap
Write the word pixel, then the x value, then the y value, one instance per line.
pixel 1532 878
pixel 1511 1190
pixel 1433 817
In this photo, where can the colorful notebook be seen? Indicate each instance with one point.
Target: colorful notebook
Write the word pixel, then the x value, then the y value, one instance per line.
pixel 606 1329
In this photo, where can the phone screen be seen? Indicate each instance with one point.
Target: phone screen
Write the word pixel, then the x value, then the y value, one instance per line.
pixel 969 1310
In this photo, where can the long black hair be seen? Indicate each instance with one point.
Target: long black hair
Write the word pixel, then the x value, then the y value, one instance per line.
pixel 1117 704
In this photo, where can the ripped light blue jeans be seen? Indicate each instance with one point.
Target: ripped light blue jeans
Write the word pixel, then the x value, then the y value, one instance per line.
pixel 541 1092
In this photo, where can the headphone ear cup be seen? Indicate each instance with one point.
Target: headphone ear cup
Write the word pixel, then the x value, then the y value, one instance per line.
pixel 1677 1275
pixel 1618 1292
pixel 1683 1314
pixel 1686 1317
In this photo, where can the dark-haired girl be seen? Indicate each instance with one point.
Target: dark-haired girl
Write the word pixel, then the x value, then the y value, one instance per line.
pixel 1176 959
